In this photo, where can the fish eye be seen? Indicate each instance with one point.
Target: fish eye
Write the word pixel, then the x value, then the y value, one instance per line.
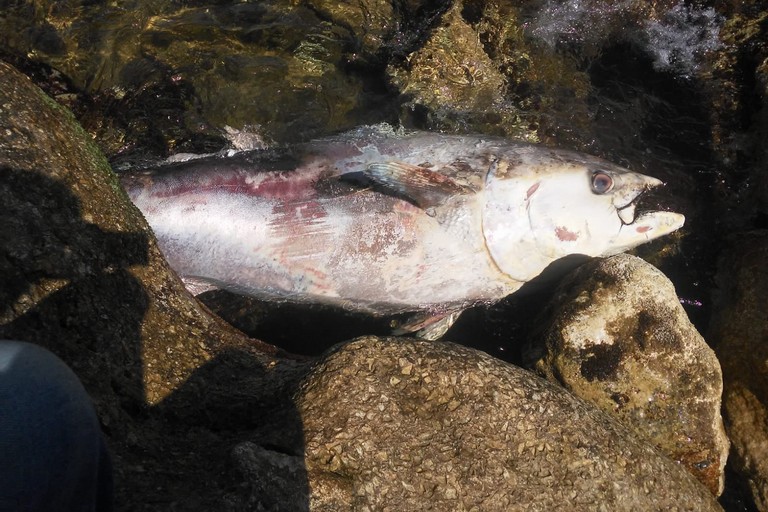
pixel 601 182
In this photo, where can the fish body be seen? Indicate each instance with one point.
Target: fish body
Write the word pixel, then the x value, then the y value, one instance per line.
pixel 386 222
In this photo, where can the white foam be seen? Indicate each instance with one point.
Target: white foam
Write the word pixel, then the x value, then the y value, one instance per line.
pixel 682 37
pixel 676 41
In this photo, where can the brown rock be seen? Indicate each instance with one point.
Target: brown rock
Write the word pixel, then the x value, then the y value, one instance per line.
pixel 400 424
pixel 740 334
pixel 372 22
pixel 618 337
pixel 80 273
pixel 80 270
pixel 452 78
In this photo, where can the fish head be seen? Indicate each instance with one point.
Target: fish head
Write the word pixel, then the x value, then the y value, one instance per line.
pixel 542 205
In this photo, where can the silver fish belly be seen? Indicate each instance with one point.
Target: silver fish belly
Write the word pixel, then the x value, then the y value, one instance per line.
pixel 386 222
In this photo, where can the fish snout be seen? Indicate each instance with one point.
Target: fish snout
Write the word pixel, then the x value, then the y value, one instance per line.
pixel 646 227
pixel 658 223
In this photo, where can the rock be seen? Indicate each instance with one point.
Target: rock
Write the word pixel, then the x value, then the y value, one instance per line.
pixel 522 69
pixel 452 73
pixel 616 335
pixel 78 263
pixel 279 479
pixel 372 23
pixel 760 176
pixel 279 56
pixel 81 274
pixel 739 332
pixel 739 123
pixel 190 71
pixel 400 424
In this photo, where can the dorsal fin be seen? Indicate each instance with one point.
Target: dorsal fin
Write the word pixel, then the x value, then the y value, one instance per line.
pixel 425 187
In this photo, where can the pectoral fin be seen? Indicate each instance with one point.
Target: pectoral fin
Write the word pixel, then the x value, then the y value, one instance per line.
pixel 428 326
pixel 197 286
pixel 426 188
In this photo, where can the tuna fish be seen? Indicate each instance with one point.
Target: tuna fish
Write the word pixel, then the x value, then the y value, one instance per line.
pixel 388 222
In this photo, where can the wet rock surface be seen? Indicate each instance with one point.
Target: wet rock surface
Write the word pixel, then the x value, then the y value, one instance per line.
pixel 740 334
pixel 80 274
pixel 398 424
pixel 617 336
pixel 451 79
pixel 171 78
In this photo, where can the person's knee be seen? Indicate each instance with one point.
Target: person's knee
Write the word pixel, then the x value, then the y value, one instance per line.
pixel 27 368
pixel 50 437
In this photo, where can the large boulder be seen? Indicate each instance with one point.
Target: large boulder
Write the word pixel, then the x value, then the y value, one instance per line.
pixel 81 274
pixel 80 271
pixel 400 424
pixel 616 335
pixel 740 333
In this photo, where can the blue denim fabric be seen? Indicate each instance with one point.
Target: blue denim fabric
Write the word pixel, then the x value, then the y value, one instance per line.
pixel 52 452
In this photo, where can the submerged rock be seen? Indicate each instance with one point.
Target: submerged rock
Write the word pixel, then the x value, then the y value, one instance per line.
pixel 737 81
pixel 164 74
pixel 740 334
pixel 616 335
pixel 273 64
pixel 455 80
pixel 408 425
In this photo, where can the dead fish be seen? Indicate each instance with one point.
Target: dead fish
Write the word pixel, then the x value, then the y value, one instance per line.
pixel 388 222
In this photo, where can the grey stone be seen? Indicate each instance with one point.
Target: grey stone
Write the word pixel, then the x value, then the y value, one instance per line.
pixel 616 335
pixel 279 479
pixel 400 424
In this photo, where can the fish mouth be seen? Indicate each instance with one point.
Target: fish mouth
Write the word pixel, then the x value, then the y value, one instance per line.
pixel 643 215
pixel 636 191
pixel 627 213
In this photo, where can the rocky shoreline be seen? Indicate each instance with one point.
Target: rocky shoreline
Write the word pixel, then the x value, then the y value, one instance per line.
pixel 200 416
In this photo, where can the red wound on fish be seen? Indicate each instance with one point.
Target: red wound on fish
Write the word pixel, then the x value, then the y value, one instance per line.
pixel 531 190
pixel 565 235
pixel 286 186
pixel 643 229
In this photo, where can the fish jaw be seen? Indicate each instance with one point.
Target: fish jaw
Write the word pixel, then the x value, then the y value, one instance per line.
pixel 646 227
pixel 631 187
pixel 636 230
